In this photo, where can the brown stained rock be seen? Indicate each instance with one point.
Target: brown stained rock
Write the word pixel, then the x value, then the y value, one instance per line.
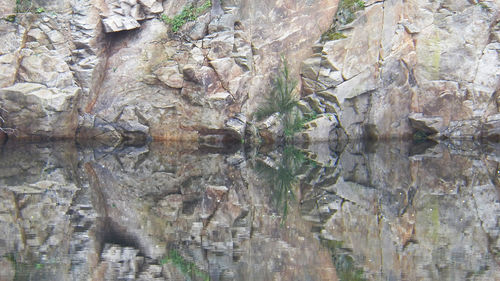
pixel 220 45
pixel 278 28
pixel 152 6
pixel 330 78
pixel 237 125
pixel 271 129
pixel 429 125
pixel 119 23
pixel 308 86
pixel 193 93
pixel 229 73
pixel 122 15
pixel 200 27
pixel 491 128
pixel 55 71
pixel 334 54
pixel 170 75
pixel 170 207
pixel 362 83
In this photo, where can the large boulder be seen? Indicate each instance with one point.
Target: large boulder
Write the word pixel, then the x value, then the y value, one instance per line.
pixel 36 111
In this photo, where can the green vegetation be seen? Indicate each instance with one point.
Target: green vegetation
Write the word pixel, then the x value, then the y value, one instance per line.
pixel 331 35
pixel 344 263
pixel 347 10
pixel 24 6
pixel 284 101
pixel 346 13
pixel 10 18
pixel 189 269
pixel 296 122
pixel 282 98
pixel 188 13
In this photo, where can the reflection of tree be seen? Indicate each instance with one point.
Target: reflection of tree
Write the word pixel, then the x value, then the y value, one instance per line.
pixel 344 263
pixel 281 176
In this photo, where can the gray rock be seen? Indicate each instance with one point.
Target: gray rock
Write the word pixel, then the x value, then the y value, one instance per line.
pixel 237 125
pixel 429 125
pixel 117 23
pixel 37 111
pixel 310 68
pixel 318 130
pixel 271 129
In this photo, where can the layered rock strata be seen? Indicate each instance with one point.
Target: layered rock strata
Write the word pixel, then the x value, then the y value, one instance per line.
pixel 396 68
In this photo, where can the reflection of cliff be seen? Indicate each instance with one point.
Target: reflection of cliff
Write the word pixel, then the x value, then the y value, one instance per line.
pixel 169 212
pixel 160 212
pixel 43 215
pixel 409 215
pixel 211 208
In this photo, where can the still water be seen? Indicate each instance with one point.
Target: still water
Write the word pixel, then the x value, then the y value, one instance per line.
pixel 383 211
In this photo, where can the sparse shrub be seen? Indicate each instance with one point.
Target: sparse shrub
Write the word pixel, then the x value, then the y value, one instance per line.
pixel 281 99
pixel 188 269
pixel 188 13
pixel 347 9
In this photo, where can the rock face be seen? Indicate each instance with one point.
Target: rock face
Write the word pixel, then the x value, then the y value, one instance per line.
pixel 36 111
pixel 190 85
pixel 424 68
pixel 397 68
pixel 146 213
pixel 138 79
pixel 39 94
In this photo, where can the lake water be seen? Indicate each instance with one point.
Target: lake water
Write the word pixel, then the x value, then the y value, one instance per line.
pixel 169 211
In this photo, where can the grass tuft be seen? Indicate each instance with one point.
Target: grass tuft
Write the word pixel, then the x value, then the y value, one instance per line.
pixel 188 13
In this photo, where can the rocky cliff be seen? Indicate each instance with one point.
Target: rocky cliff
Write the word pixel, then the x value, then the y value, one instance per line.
pixel 131 70
pixel 399 68
pixel 117 71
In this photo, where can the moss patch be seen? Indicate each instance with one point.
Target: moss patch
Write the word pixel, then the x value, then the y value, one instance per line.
pixel 331 35
pixel 188 269
pixel 347 10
